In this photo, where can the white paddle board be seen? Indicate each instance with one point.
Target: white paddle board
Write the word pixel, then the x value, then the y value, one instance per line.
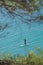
pixel 24 45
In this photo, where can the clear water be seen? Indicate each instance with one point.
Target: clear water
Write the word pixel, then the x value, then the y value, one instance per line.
pixel 13 36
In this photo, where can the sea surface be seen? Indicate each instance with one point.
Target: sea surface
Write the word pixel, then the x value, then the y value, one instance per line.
pixel 12 37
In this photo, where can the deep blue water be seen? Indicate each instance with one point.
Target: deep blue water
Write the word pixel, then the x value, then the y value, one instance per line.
pixel 13 36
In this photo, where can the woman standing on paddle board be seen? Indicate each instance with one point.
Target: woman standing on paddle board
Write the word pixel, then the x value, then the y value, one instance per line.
pixel 24 43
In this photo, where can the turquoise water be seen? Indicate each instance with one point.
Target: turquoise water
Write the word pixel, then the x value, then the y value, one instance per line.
pixel 14 34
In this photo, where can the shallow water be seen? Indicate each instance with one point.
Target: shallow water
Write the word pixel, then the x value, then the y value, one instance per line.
pixel 13 36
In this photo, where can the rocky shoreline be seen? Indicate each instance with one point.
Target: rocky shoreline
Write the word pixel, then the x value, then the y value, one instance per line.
pixel 12 4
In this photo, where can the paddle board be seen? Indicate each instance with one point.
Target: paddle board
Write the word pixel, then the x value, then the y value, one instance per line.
pixel 24 45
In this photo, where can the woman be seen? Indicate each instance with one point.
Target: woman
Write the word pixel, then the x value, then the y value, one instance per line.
pixel 25 41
